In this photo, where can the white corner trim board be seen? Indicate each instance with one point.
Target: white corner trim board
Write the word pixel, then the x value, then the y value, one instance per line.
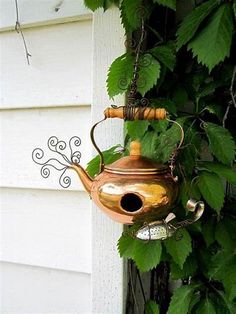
pixel 34 13
pixel 107 266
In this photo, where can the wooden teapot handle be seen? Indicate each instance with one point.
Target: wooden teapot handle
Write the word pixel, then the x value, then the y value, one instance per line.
pixel 138 113
pixel 146 113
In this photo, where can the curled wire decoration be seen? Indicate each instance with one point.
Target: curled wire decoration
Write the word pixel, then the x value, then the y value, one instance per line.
pixel 144 102
pixel 65 181
pixel 63 164
pixel 141 12
pixel 173 156
pixel 145 60
pixel 123 83
pixel 131 44
pixel 141 82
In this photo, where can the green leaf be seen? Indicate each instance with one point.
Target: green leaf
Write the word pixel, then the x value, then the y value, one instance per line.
pixel 215 109
pixel 94 4
pixel 229 221
pixel 189 269
pixel 148 144
pixel 189 189
pixel 204 257
pixel 147 255
pixel 180 300
pixel 167 141
pixel 126 243
pixel 151 307
pixel 198 79
pixel 222 305
pixel 221 142
pixel 167 3
pixel 206 306
pixel 207 89
pixel 132 13
pixel 212 189
pixel 223 268
pixel 223 236
pixel 212 44
pixel 136 129
pixel 179 250
pixel 149 73
pixel 192 21
pixel 208 231
pixel 109 3
pixel 194 300
pixel 188 159
pixel 180 96
pixel 165 54
pixel 223 171
pixel 120 75
pixel 109 155
pixel 190 152
pixel 159 126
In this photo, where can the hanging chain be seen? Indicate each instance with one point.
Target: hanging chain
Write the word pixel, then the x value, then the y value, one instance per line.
pixel 129 108
pixel 133 87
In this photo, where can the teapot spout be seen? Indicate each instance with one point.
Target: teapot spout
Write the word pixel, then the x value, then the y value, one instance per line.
pixel 84 177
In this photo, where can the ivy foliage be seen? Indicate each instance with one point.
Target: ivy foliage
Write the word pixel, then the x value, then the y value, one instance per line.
pixel 188 68
pixel 151 307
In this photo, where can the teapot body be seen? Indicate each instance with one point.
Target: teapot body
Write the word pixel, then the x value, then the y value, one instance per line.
pixel 134 197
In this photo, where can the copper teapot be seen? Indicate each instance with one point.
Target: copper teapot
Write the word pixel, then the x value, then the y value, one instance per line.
pixel 133 188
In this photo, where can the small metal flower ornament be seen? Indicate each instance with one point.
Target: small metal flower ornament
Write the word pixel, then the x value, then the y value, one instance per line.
pixel 133 188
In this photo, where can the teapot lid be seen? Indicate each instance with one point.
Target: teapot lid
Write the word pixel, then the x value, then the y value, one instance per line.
pixel 135 163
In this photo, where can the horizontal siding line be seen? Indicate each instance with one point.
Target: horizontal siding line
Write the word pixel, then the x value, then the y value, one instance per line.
pixel 50 106
pixel 65 20
pixel 7 187
pixel 46 268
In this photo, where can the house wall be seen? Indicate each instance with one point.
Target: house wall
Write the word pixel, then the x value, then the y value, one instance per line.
pixel 56 255
pixel 45 230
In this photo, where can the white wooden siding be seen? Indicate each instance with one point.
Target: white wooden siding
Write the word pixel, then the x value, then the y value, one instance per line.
pixel 45 231
pixel 46 228
pixel 41 12
pixel 36 290
pixel 25 129
pixel 60 67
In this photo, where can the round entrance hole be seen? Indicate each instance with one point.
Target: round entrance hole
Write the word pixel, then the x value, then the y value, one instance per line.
pixel 131 202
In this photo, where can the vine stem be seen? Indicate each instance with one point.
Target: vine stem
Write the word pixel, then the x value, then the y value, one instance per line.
pixel 232 97
pixel 132 286
pixel 141 285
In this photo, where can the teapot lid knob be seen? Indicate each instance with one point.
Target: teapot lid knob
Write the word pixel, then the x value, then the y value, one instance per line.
pixel 135 149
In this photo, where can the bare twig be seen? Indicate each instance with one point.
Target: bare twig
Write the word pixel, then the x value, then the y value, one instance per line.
pixel 19 31
pixel 226 115
pixel 232 86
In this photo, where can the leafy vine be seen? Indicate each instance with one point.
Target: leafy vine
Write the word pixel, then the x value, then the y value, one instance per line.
pixel 191 72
